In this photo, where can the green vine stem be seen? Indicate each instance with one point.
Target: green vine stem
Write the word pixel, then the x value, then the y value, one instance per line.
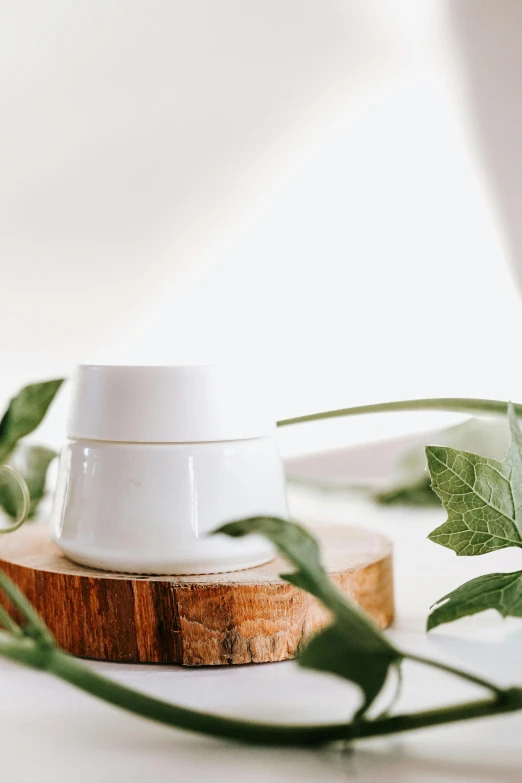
pixel 444 667
pixel 76 673
pixel 450 404
pixel 32 645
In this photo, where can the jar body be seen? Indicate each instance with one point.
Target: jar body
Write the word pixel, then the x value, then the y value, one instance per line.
pixel 148 508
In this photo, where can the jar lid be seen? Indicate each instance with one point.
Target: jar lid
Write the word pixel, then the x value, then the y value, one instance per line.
pixel 167 404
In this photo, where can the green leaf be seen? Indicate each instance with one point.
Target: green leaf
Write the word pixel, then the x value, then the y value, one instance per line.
pixel 419 493
pixel 32 462
pixel 330 651
pixel 352 647
pixel 410 483
pixel 502 592
pixel 24 414
pixel 483 497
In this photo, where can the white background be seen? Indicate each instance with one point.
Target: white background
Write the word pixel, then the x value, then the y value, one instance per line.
pixel 328 188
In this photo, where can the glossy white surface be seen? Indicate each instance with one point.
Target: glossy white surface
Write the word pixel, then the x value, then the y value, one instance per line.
pixel 149 508
pixel 178 404
pixel 54 734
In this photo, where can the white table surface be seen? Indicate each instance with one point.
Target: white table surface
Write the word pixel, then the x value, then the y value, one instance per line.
pixel 51 732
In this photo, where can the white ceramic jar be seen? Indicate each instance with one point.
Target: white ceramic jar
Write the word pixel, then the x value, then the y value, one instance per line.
pixel 157 458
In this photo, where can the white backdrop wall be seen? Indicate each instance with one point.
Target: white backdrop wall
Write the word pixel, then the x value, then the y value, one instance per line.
pixel 302 184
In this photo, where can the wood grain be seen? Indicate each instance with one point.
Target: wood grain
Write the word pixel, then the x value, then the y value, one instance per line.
pixel 249 616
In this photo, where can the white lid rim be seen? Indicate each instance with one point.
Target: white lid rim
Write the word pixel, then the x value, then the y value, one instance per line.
pixel 167 404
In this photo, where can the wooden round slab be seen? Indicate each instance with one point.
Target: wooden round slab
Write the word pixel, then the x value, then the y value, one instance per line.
pixel 249 616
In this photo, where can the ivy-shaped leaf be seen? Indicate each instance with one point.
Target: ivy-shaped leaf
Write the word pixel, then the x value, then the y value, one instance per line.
pixel 483 497
pixel 502 592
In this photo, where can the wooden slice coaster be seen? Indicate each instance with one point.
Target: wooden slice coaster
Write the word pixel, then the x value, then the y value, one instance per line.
pixel 249 616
